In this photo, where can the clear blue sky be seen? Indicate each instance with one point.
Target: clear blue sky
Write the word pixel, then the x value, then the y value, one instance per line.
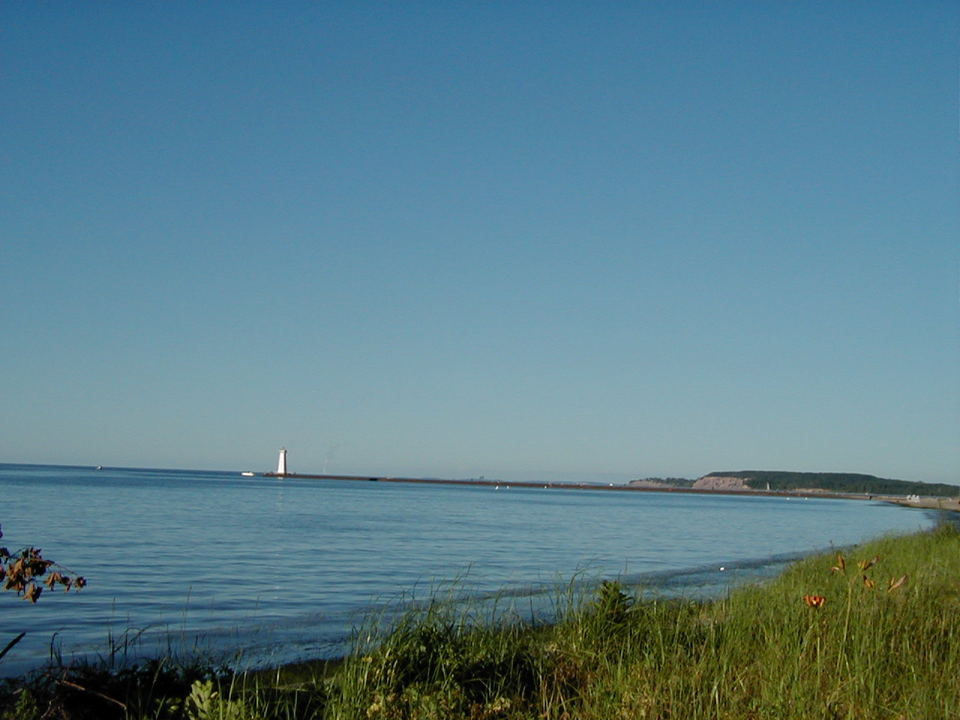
pixel 501 239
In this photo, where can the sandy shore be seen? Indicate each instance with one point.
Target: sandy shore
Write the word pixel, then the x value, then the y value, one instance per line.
pixel 927 503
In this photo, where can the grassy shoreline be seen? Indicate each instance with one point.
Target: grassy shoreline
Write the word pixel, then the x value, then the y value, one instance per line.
pixel 884 642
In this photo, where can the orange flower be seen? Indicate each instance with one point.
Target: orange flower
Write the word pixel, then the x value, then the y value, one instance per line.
pixel 814 601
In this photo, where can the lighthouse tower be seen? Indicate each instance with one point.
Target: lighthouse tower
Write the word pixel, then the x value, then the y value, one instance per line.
pixel 282 462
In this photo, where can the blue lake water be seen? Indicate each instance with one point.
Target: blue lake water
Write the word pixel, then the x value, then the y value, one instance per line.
pixel 275 570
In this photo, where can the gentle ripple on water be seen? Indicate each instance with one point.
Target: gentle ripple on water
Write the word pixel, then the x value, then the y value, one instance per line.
pixel 284 569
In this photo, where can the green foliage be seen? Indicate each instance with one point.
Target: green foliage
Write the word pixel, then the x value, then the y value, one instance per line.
pixel 838 483
pixel 876 646
pixel 438 664
pixel 677 482
pixel 89 692
pixel 612 604
pixel 206 703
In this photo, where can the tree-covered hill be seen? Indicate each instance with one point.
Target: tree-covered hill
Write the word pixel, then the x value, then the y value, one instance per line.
pixel 663 482
pixel 836 482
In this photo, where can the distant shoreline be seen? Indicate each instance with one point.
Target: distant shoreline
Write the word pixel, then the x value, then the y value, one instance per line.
pixel 929 503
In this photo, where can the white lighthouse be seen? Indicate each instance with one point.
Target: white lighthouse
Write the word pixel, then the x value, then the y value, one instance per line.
pixel 282 462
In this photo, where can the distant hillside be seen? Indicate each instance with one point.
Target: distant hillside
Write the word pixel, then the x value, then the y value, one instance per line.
pixel 831 482
pixel 655 482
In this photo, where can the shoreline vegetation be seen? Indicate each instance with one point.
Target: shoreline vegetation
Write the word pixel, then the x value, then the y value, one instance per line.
pixel 781 481
pixel 870 632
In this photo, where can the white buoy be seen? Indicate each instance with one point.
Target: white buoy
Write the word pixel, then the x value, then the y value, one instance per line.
pixel 282 462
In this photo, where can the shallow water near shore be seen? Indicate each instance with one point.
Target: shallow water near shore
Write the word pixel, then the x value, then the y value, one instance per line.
pixel 267 571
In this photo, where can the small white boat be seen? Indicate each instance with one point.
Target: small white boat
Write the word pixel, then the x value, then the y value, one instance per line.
pixel 247 474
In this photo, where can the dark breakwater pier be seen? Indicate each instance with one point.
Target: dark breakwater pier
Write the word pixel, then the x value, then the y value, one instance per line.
pixel 483 482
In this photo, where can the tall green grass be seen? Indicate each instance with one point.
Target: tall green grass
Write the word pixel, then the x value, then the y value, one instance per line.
pixel 884 642
pixel 866 652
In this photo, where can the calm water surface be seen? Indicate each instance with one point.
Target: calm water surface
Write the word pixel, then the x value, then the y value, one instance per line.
pixel 278 570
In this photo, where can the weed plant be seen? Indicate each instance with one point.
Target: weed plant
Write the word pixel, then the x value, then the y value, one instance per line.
pixel 872 632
